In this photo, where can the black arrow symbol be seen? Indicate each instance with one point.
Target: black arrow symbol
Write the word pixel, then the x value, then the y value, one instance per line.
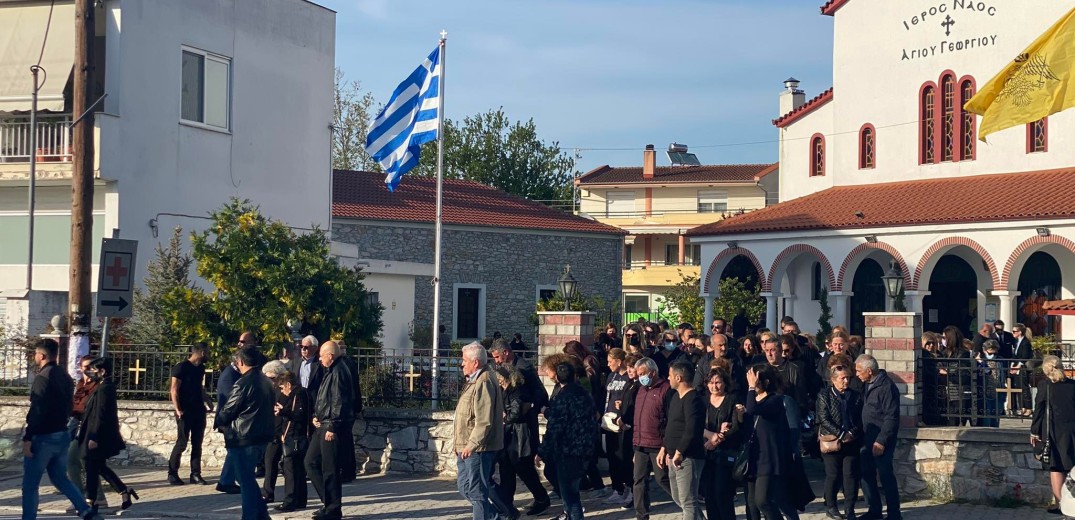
pixel 120 303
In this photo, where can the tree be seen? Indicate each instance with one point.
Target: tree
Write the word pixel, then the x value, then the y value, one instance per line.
pixel 351 115
pixel 264 274
pixel 685 301
pixel 826 316
pixel 489 149
pixel 737 299
pixel 169 271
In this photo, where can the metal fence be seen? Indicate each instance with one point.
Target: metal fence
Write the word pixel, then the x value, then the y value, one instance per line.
pixel 53 139
pixel 406 380
pixel 975 391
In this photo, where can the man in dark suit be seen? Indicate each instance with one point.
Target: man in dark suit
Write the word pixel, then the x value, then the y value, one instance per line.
pixel 1004 338
pixel 1022 352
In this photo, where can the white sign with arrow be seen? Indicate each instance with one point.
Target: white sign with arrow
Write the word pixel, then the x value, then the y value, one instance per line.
pixel 115 278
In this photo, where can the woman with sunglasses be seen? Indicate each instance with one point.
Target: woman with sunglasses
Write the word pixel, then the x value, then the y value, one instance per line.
pixel 933 394
pixel 839 416
pixel 99 438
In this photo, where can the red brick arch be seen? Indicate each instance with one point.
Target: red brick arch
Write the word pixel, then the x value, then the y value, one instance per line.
pixel 1005 276
pixel 866 246
pixel 796 250
pixel 729 254
pixel 957 241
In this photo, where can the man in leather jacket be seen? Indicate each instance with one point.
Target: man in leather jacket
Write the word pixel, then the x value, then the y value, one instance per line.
pixel 247 418
pixel 333 411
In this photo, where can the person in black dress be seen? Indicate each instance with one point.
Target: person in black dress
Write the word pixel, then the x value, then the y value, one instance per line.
pixel 1055 405
pixel 770 455
pixel 839 413
pixel 722 443
pixel 99 438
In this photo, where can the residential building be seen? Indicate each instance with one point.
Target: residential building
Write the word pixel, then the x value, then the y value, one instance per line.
pixel 885 168
pixel 656 206
pixel 205 100
pixel 501 255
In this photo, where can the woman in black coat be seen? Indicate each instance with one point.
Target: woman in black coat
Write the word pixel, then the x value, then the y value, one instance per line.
pixel 517 442
pixel 722 444
pixel 839 415
pixel 99 438
pixel 1055 405
pixel 770 451
pixel 294 408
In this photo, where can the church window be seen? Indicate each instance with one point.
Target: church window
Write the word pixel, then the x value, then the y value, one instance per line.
pixel 967 137
pixel 1037 136
pixel 928 126
pixel 948 119
pixel 867 147
pixel 817 155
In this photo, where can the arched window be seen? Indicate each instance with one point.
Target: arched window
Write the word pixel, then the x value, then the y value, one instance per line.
pixel 1037 136
pixel 817 155
pixel 927 132
pixel 948 118
pixel 967 140
pixel 816 285
pixel 867 147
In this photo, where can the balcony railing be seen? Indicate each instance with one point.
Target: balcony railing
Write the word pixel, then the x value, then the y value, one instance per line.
pixel 722 211
pixel 654 264
pixel 53 139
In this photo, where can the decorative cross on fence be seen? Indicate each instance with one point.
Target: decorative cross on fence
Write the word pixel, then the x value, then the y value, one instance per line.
pixel 411 375
pixel 138 370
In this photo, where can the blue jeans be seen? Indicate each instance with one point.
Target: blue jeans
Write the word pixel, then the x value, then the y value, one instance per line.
pixel 474 475
pixel 569 472
pixel 243 461
pixel 49 455
pixel 227 471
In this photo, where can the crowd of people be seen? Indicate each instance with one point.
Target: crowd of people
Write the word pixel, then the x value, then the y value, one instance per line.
pixel 703 415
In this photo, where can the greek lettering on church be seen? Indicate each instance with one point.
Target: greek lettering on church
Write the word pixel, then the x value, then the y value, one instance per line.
pixel 948 47
pixel 938 12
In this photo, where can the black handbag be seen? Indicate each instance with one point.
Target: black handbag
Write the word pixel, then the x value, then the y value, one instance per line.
pixel 296 444
pixel 1043 454
pixel 741 468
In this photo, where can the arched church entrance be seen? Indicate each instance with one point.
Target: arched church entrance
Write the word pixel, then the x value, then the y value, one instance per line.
pixel 953 298
pixel 868 294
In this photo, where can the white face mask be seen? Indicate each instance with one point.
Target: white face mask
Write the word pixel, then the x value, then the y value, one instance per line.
pixel 990 356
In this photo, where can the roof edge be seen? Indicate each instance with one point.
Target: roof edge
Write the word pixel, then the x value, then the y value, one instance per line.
pixel 772 168
pixel 830 7
pixel 819 101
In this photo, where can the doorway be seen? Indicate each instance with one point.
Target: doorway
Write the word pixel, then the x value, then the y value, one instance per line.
pixel 869 294
pixel 1039 281
pixel 953 298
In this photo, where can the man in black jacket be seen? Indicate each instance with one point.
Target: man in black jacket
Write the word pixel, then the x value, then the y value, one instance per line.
pixel 880 424
pixel 333 410
pixel 247 419
pixel 46 440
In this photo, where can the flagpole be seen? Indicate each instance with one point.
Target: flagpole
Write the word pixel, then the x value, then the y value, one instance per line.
pixel 437 226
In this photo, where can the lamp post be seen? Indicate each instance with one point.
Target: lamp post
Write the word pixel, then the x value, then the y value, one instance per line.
pixel 567 284
pixel 893 282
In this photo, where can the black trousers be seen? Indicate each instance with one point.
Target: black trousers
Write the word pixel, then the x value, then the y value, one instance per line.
pixel 273 453
pixel 191 426
pixel 769 496
pixel 348 465
pixel 645 460
pixel 620 467
pixel 523 467
pixel 323 466
pixel 718 489
pixel 96 469
pixel 294 469
pixel 842 466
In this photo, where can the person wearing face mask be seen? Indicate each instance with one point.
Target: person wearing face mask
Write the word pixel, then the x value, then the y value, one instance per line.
pixel 633 340
pixel 990 376
pixel 650 416
pixel 99 438
pixel 668 354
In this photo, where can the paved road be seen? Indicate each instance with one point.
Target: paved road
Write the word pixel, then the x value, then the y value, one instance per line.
pixel 391 497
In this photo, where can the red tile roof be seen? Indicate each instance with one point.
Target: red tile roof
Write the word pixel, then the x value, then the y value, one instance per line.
pixel 806 108
pixel 832 6
pixel 677 174
pixel 1027 196
pixel 772 168
pixel 363 195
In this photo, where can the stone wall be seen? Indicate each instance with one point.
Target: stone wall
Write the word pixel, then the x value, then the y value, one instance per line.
pixel 510 263
pixel 406 441
pixel 979 465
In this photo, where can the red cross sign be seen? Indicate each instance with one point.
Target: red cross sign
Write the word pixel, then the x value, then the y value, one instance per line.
pixel 117 268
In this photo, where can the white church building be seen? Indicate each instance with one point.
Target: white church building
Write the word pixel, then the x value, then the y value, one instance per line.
pixel 885 166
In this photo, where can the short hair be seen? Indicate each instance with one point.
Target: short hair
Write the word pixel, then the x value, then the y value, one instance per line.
pixel 684 370
pixel 499 345
pixel 273 368
pixel 617 353
pixel 839 369
pixel 868 362
pixel 768 378
pixel 651 366
pixel 723 375
pixel 512 375
pixel 565 373
pixel 310 340
pixel 685 326
pixel 249 356
pixel 631 359
pixel 998 322
pixel 49 346
pixel 1053 369
pixel 285 377
pixel 199 347
pixel 990 344
pixel 1019 327
pixel 103 364
pixel 475 351
pixel 87 357
pixel 837 360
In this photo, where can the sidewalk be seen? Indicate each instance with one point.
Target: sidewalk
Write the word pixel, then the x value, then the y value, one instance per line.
pixel 390 497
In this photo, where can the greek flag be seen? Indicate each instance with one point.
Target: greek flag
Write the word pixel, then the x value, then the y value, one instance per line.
pixel 408 121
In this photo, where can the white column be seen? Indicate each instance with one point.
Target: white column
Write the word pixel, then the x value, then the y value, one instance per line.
pixel 708 313
pixel 1006 309
pixel 915 300
pixel 841 313
pixel 771 318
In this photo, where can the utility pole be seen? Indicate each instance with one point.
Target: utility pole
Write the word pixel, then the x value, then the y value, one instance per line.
pixel 81 306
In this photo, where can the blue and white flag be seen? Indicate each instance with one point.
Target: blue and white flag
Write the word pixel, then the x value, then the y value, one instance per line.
pixel 408 121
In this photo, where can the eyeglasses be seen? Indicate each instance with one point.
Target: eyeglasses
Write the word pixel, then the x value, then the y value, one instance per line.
pixel 306 347
pixel 931 343
pixel 631 335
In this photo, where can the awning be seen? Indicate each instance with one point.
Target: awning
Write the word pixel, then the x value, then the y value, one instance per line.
pixel 22 32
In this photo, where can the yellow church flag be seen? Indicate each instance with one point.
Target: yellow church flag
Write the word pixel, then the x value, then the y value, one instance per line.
pixel 1035 84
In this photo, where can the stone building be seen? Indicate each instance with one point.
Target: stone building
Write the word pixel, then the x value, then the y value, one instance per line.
pixel 501 254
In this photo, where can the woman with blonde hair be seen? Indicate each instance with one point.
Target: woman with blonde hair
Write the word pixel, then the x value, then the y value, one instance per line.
pixel 1052 432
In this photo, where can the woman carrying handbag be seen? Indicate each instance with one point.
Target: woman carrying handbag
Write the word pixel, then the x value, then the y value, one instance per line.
pixel 1052 432
pixel 99 438
pixel 839 413
pixel 295 410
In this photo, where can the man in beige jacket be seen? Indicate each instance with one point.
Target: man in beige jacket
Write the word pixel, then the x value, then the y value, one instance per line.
pixel 479 434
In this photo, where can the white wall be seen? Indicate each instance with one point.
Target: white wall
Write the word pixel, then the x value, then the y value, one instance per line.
pixel 396 293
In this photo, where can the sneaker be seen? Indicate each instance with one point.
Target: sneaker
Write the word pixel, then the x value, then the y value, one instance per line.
pixel 600 493
pixel 614 498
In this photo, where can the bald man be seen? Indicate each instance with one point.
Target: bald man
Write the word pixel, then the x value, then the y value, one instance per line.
pixel 333 411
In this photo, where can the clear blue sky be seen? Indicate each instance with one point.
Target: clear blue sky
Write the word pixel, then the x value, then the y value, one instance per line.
pixel 603 73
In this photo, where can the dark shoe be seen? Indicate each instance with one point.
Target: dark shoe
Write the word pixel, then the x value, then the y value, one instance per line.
pixel 1053 511
pixel 197 479
pixel 259 471
pixel 174 480
pixel 234 489
pixel 127 495
pixel 269 498
pixel 833 514
pixel 285 509
pixel 537 508
pixel 871 516
pixel 514 514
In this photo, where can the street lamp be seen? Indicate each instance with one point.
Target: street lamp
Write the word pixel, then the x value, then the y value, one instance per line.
pixel 567 284
pixel 893 281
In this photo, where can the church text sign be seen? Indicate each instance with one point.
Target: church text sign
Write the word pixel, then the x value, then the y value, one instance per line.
pixel 943 17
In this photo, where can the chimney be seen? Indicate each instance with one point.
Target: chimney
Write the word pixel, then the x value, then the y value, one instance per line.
pixel 649 162
pixel 791 98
